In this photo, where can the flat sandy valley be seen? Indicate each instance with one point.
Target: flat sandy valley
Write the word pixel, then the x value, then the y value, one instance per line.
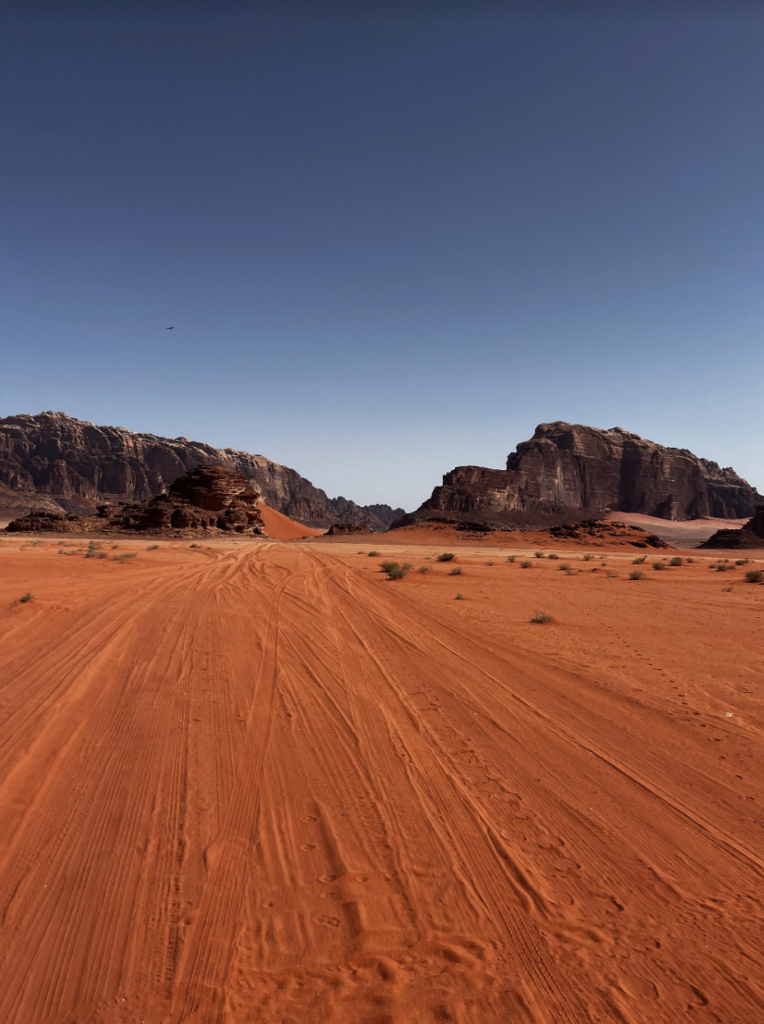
pixel 259 783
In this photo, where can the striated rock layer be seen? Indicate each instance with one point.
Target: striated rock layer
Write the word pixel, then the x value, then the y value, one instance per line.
pixel 585 472
pixel 208 500
pixel 52 462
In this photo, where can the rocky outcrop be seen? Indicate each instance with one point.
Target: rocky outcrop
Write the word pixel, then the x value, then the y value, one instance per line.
pixel 76 466
pixel 749 536
pixel 207 500
pixel 347 529
pixel 585 472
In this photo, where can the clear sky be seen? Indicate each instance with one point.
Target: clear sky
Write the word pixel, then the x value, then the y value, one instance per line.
pixel 391 238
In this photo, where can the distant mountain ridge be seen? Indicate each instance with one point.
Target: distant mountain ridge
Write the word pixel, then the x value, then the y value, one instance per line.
pixel 574 472
pixel 52 461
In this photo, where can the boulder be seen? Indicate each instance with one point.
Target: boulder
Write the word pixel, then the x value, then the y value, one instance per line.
pixel 749 536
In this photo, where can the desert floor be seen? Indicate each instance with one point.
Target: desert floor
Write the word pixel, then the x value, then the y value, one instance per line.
pixel 259 783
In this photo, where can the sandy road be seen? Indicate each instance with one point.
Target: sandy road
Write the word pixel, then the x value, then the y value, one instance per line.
pixel 243 786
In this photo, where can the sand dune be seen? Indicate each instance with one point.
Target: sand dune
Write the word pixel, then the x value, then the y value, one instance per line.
pixel 259 782
pixel 281 527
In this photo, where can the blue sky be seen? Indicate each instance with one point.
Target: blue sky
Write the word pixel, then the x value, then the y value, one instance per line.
pixel 391 238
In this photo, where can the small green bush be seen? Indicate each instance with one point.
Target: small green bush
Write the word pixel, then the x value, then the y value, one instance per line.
pixel 102 554
pixel 690 561
pixel 754 576
pixel 525 565
pixel 407 566
pixel 489 563
pixel 25 599
pixel 659 565
pixel 540 617
pixel 564 566
pixel 538 554
pixel 446 557
pixel 387 566
pixel 424 568
pixel 456 571
pixel 397 572
pixel 510 558
pixel 721 567
pixel 588 558
pixel 676 560
pixel 640 560
pixel 152 547
pixel 373 554
pixel 635 574
pixel 459 597
pixel 742 561
pixel 553 556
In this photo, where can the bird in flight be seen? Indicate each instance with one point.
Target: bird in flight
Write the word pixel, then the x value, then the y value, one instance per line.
pixel 169 328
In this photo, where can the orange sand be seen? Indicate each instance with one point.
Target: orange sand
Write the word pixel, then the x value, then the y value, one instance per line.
pixel 280 527
pixel 259 783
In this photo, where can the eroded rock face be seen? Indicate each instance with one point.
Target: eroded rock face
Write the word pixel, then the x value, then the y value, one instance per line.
pixel 750 536
pixel 75 465
pixel 588 471
pixel 208 500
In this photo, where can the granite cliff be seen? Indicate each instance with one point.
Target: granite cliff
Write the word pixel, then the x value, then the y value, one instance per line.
pixel 56 463
pixel 568 472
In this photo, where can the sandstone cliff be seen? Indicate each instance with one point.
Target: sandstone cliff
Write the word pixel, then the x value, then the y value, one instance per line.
pixel 208 500
pixel 56 462
pixel 578 472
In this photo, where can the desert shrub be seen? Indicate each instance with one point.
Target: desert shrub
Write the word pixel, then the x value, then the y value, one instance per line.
pixel 690 561
pixel 387 566
pixel 459 597
pixel 446 557
pixel 373 554
pixel 564 566
pixel 540 617
pixel 635 574
pixel 89 554
pixel 102 554
pixel 456 571
pixel 114 547
pixel 676 560
pixel 742 561
pixel 552 555
pixel 754 576
pixel 25 599
pixel 611 574
pixel 640 560
pixel 588 558
pixel 659 565
pixel 397 572
pixel 538 554
pixel 510 558
pixel 525 565
pixel 721 567
pixel 489 563
pixel 194 545
pixel 424 568
pixel 407 566
pixel 152 547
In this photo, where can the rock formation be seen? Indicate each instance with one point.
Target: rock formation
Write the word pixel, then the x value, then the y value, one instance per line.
pixel 208 500
pixel 568 472
pixel 344 529
pixel 750 536
pixel 56 463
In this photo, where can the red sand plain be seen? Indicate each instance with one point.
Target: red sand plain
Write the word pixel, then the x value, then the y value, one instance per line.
pixel 259 782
